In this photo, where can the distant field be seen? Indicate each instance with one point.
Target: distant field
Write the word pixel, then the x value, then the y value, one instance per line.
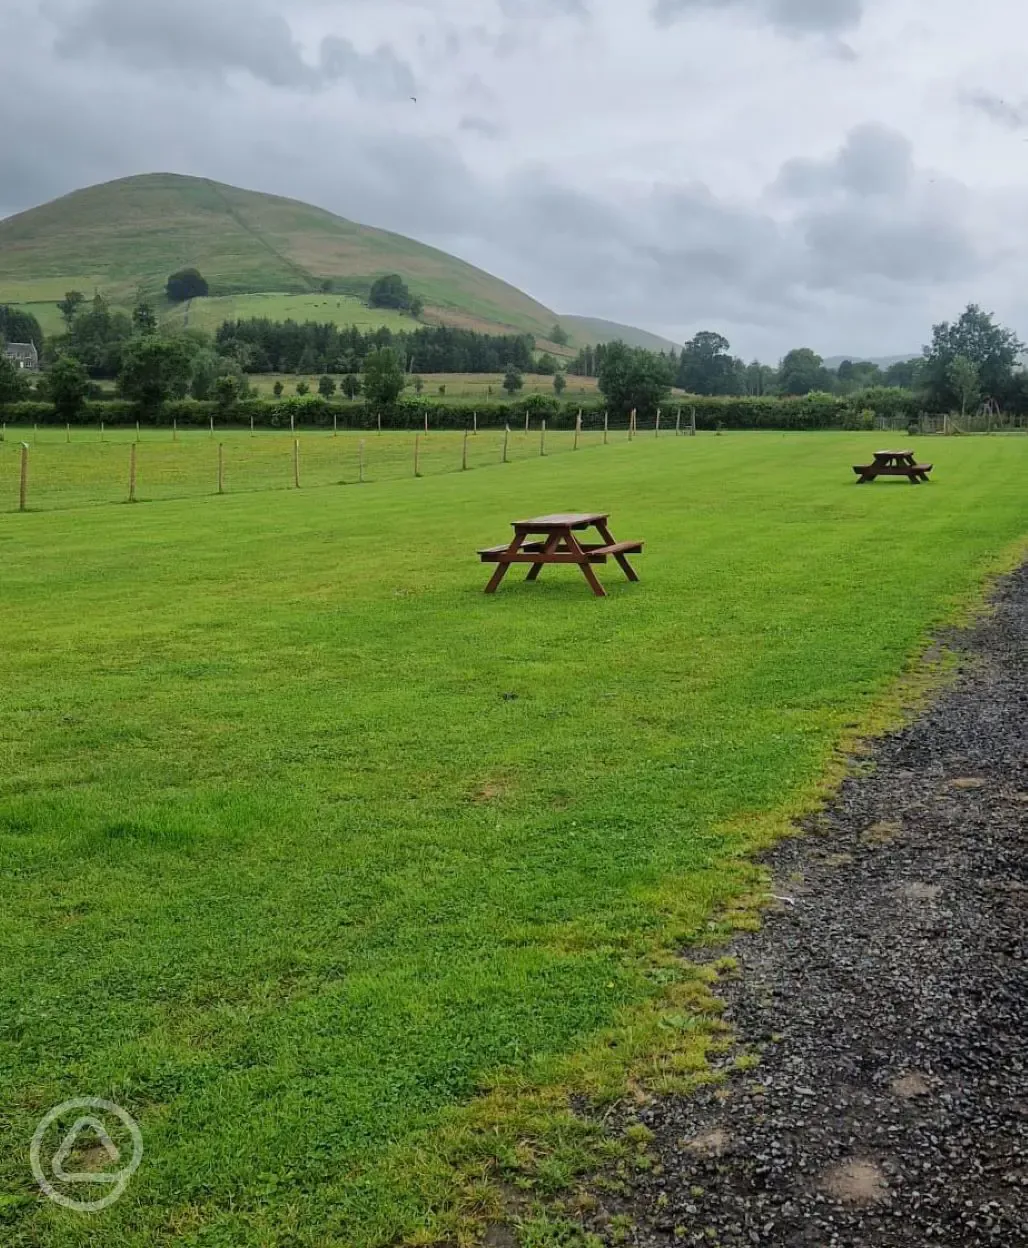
pixel 458 385
pixel 349 882
pixel 50 320
pixel 209 314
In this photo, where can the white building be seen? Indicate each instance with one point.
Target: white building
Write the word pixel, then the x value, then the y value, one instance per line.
pixel 24 355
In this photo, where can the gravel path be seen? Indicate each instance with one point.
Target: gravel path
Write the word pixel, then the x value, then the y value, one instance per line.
pixel 888 1005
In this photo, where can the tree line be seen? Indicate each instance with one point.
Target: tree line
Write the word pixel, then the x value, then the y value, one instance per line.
pixel 706 366
pixel 969 362
pixel 260 345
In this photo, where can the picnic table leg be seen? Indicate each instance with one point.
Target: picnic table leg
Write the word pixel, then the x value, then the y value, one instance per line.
pixel 622 560
pixel 868 478
pixel 503 567
pixel 552 542
pixel 583 562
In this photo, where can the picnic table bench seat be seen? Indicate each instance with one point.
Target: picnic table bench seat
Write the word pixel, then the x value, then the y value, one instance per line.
pixel 905 471
pixel 893 464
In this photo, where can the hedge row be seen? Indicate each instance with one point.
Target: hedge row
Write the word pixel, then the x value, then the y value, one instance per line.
pixel 817 411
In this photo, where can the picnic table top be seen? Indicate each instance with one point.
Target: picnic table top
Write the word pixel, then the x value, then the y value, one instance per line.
pixel 893 454
pixel 562 520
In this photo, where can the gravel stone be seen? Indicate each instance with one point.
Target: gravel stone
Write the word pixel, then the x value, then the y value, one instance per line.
pixel 888 1004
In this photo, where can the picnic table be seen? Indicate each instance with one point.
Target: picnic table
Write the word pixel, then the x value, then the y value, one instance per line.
pixel 551 539
pixel 893 464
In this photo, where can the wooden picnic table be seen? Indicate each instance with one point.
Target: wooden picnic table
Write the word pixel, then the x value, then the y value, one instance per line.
pixel 893 464
pixel 551 539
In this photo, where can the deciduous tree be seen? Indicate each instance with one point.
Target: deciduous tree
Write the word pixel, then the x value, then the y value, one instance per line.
pixel 513 381
pixel 154 370
pixel 68 385
pixel 706 365
pixel 390 291
pixel 992 349
pixel 70 304
pixel 383 377
pixel 630 377
pixel 187 284
pixel 963 376
pixel 13 386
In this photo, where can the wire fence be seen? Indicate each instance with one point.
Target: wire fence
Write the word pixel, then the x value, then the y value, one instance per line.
pixel 48 468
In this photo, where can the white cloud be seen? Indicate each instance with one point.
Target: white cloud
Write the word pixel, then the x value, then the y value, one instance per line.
pixel 729 169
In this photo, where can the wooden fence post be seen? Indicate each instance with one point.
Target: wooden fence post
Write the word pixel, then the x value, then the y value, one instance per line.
pixel 221 467
pixel 542 438
pixel 678 424
pixel 137 430
pixel 296 462
pixel 476 424
pixel 174 430
pixel 132 473
pixel 656 431
pixel 692 432
pixel 464 457
pixel 417 455
pixel 292 422
pixel 380 422
pixel 35 434
pixel 360 462
pixel 335 424
pixel 527 416
pixel 426 422
pixel 23 493
pixel 67 433
pixel 606 428
pixel 251 426
pixel 101 430
pixel 3 432
pixel 506 439
pixel 212 426
pixel 578 429
pixel 631 424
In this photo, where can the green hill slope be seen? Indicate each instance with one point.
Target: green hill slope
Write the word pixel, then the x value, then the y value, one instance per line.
pixel 590 329
pixel 132 233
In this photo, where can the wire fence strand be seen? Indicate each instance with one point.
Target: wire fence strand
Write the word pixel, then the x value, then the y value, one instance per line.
pixel 87 467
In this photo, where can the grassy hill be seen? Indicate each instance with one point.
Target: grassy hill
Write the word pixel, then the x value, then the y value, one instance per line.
pixel 128 235
pixel 590 329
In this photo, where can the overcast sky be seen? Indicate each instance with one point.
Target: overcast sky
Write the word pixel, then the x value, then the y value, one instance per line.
pixel 830 173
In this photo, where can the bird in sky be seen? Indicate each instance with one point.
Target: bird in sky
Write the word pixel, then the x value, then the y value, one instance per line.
pixel 414 98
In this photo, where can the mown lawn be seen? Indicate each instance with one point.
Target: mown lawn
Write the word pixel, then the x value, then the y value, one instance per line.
pixel 303 839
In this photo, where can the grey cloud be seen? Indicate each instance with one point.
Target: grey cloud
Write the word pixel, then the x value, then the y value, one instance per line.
pixel 200 38
pixel 873 161
pixel 792 16
pixel 482 127
pixel 516 9
pixel 995 107
pixel 847 247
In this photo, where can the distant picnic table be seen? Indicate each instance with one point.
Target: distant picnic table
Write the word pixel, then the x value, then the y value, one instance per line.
pixel 552 539
pixel 893 464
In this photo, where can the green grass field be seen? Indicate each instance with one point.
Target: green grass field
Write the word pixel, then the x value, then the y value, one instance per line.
pixel 209 314
pixel 325 865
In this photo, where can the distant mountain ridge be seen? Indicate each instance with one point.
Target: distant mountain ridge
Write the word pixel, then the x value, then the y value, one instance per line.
pixel 883 361
pixel 597 330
